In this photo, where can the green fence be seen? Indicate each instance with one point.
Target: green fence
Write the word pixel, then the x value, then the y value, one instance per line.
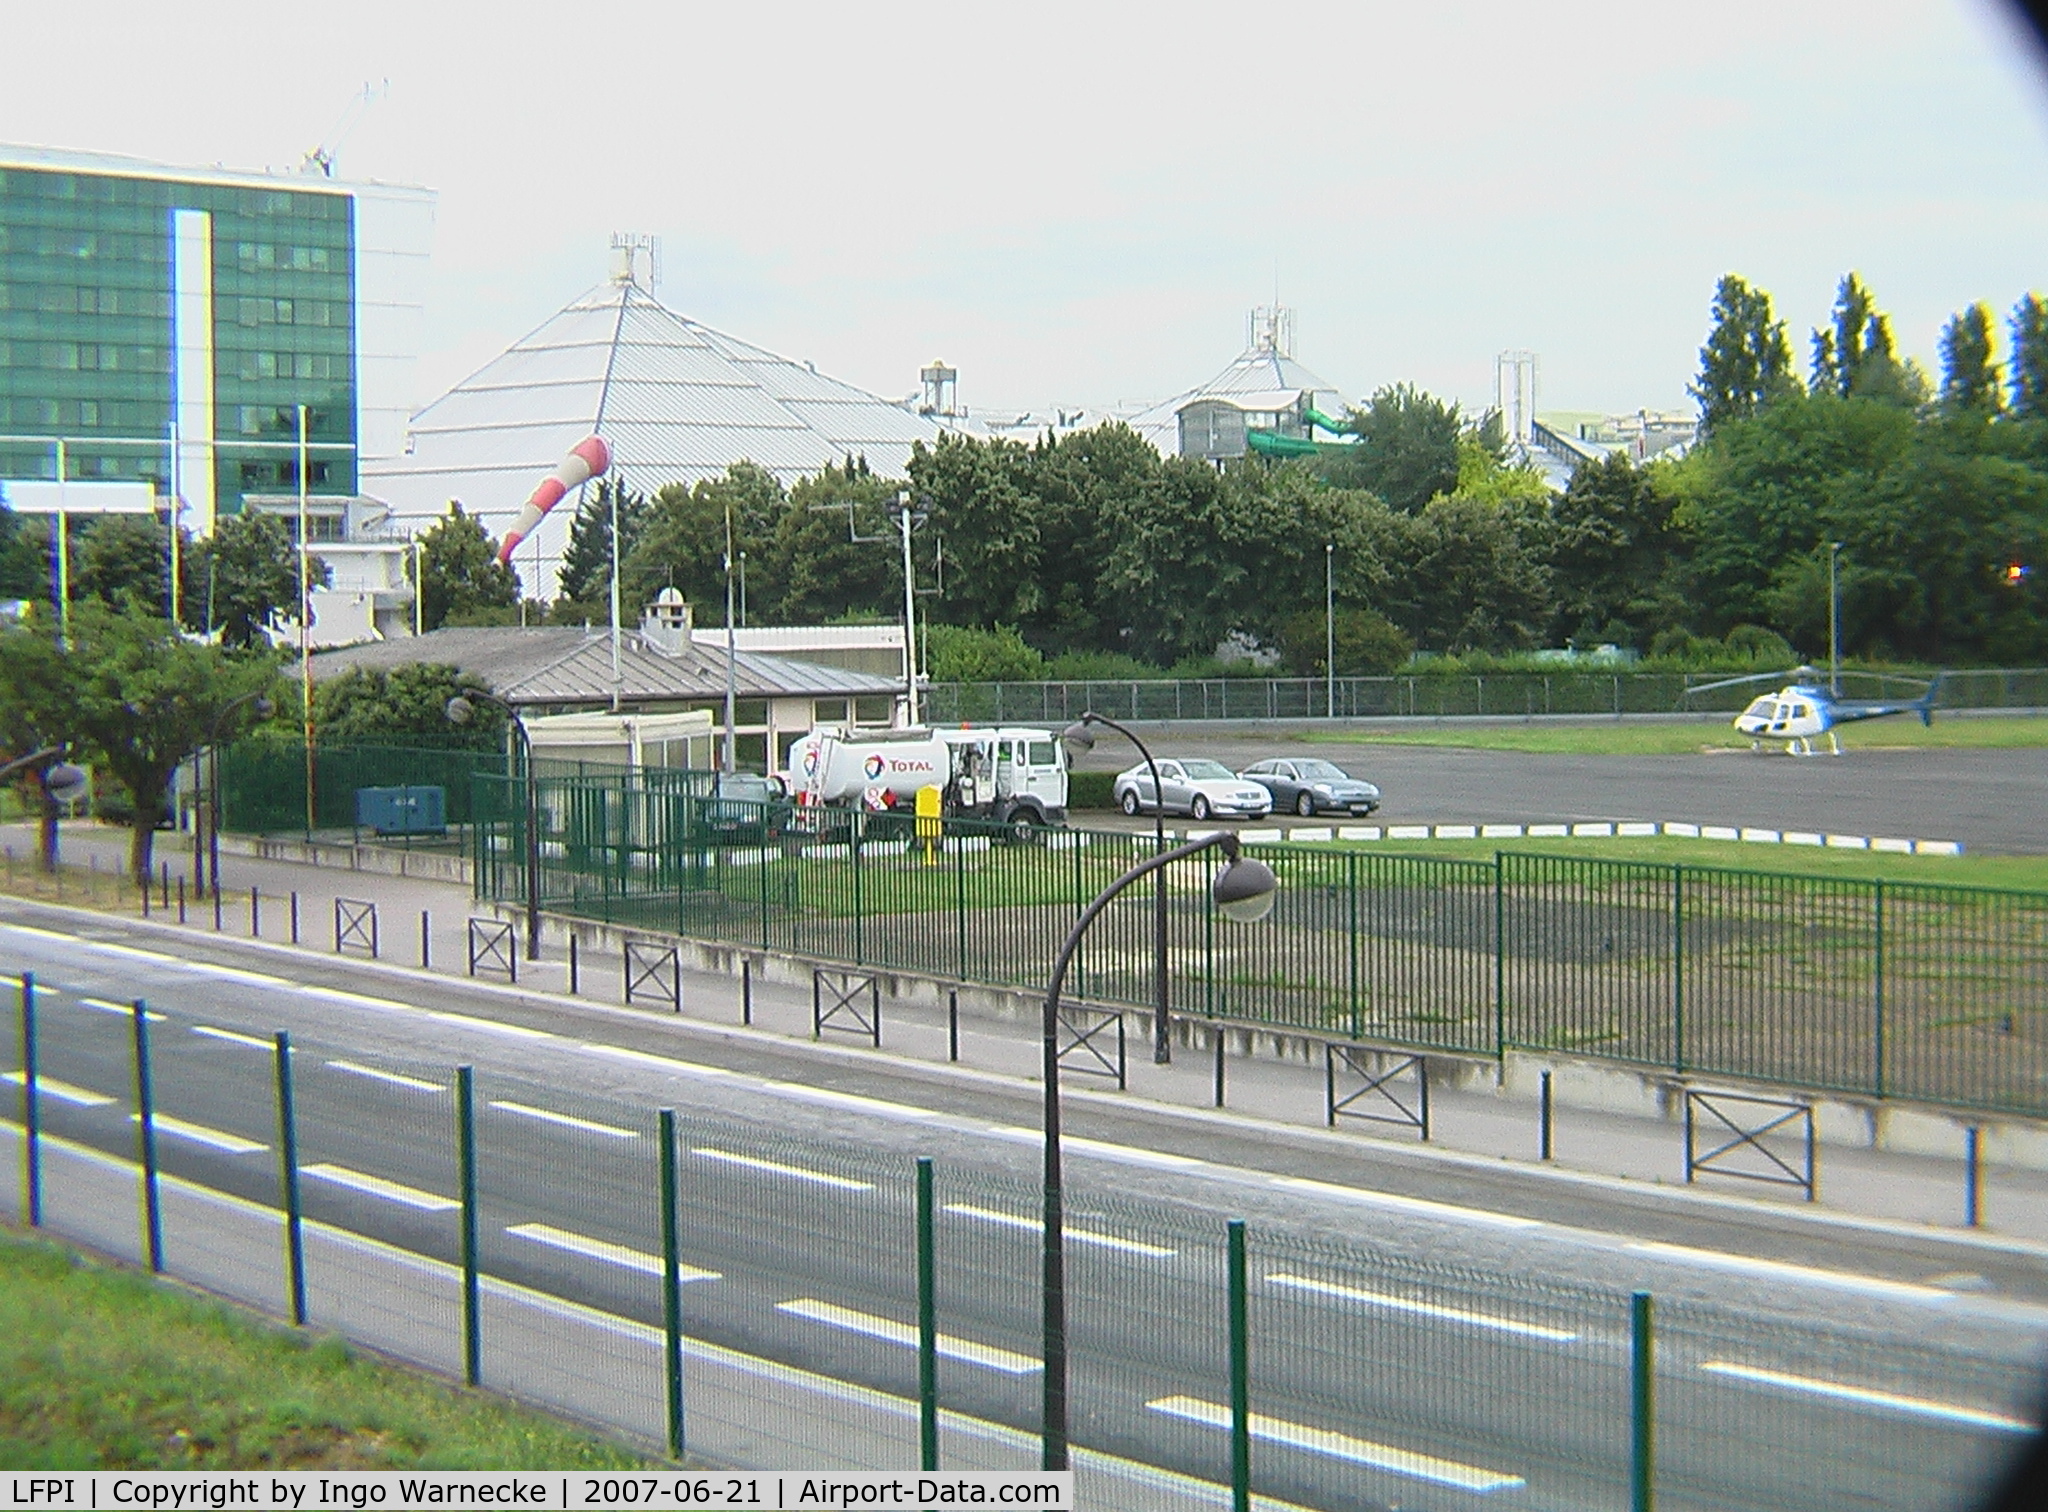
pixel 1928 993
pixel 263 783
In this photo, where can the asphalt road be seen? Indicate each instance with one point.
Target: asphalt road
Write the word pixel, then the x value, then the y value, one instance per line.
pixel 1991 800
pixel 1468 1331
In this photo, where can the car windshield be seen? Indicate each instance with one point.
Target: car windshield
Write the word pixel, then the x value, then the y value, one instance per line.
pixel 1206 769
pixel 745 787
pixel 1325 771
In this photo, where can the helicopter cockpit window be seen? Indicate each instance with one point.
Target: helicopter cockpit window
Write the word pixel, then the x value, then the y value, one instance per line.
pixel 1760 708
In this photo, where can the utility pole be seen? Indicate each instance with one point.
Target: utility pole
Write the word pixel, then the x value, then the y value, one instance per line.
pixel 1834 621
pixel 305 623
pixel 909 612
pixel 731 645
pixel 1330 627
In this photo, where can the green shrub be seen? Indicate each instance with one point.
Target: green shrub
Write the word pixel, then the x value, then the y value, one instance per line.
pixel 961 653
pixel 1090 790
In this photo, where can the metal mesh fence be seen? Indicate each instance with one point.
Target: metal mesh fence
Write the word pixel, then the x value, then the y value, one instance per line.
pixel 263 783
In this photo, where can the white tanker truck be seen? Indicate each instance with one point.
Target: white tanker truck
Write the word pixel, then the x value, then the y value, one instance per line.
pixel 1008 775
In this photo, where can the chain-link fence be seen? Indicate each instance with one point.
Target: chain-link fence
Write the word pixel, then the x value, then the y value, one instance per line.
pixel 710 1284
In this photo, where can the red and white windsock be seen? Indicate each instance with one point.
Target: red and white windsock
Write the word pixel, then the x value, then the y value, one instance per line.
pixel 588 459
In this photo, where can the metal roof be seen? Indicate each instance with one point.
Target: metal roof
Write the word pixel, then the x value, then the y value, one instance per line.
pixel 1264 376
pixel 678 402
pixel 569 666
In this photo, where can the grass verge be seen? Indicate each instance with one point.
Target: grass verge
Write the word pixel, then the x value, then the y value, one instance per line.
pixel 101 1367
pixel 1688 738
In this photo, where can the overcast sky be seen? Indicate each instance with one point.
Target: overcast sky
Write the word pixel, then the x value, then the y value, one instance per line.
pixel 1078 203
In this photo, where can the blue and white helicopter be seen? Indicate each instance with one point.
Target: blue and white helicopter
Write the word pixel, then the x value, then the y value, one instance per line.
pixel 1805 708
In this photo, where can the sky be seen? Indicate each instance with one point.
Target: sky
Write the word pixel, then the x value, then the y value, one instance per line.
pixel 1077 204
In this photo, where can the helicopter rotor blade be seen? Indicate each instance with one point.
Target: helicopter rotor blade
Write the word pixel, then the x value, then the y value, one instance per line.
pixel 1779 678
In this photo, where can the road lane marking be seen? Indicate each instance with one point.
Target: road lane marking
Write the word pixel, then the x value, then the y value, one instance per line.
pixel 1421 1207
pixel 124 1010
pixel 1424 1309
pixel 63 1091
pixel 234 1038
pixel 355 999
pixel 1102 1149
pixel 889 1331
pixel 194 1133
pixel 878 1106
pixel 777 1168
pixel 377 1186
pixel 486 1026
pixel 1408 1462
pixel 392 1078
pixel 1077 1235
pixel 567 1121
pixel 654 1062
pixel 1784 1270
pixel 602 1249
pixel 1975 1417
pixel 237 974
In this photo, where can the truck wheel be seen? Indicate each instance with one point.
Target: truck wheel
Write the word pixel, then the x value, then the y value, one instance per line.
pixel 1025 827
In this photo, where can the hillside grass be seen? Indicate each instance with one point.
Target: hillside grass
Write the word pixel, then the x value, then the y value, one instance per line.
pixel 102 1367
pixel 1688 738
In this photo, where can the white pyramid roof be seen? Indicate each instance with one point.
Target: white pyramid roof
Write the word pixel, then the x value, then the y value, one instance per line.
pixel 677 401
pixel 1264 376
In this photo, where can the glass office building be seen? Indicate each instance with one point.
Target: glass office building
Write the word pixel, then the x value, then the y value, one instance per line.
pixel 167 325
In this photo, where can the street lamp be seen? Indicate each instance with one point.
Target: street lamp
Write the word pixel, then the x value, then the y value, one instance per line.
pixel 1330 629
pixel 1243 889
pixel 1079 734
pixel 59 780
pixel 461 709
pixel 263 708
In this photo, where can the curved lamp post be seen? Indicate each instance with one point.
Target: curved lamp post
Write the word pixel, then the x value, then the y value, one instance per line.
pixel 1244 890
pixel 59 779
pixel 461 709
pixel 263 708
pixel 1081 734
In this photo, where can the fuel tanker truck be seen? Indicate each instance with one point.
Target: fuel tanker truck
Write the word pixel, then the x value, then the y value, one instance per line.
pixel 1012 776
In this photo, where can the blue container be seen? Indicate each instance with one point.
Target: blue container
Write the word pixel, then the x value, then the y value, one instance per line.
pixel 402 810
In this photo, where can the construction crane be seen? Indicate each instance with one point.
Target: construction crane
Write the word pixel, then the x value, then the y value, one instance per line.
pixel 319 163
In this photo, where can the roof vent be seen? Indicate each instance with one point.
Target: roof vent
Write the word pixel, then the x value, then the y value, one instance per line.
pixel 667 624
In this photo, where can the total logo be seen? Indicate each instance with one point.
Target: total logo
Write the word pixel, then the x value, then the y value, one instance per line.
pixel 874 766
pixel 811 762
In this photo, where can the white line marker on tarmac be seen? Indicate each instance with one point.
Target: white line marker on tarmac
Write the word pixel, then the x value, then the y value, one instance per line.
pixel 1975 1417
pixel 1423 1309
pixel 193 1133
pixel 124 1010
pixel 1784 1270
pixel 605 1250
pixel 879 1107
pixel 234 1038
pixel 377 1186
pixel 389 1078
pixel 62 1091
pixel 237 974
pixel 1424 1467
pixel 355 999
pixel 1009 1362
pixel 567 1121
pixel 487 1026
pixel 1101 1149
pixel 1077 1235
pixel 777 1168
pixel 654 1062
pixel 1420 1206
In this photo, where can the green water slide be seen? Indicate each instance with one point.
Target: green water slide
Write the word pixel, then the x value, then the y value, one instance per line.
pixel 1269 443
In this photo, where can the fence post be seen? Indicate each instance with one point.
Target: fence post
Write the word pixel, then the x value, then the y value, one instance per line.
pixel 671 1287
pixel 145 1134
pixel 181 900
pixel 288 1180
pixel 295 916
pixel 465 1158
pixel 1240 1374
pixel 1218 1029
pixel 1545 1118
pixel 31 1106
pixel 573 964
pixel 1500 956
pixel 1677 968
pixel 1973 1176
pixel 952 1023
pixel 1877 987
pixel 1351 929
pixel 1643 1403
pixel 747 990
pixel 216 905
pixel 927 1321
pixel 426 934
pixel 255 912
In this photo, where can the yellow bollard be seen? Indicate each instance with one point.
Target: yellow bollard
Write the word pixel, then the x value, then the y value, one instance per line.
pixel 929 825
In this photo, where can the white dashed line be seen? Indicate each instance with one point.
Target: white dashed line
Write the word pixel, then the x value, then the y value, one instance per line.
pixel 389 1078
pixel 192 1133
pixel 1009 1362
pixel 1077 1235
pixel 1423 1309
pixel 62 1091
pixel 654 1062
pixel 486 1026
pixel 1423 1467
pixel 377 1186
pixel 1782 1270
pixel 605 1250
pixel 1420 1207
pixel 1864 1396
pixel 122 1010
pixel 777 1168
pixel 233 1038
pixel 567 1121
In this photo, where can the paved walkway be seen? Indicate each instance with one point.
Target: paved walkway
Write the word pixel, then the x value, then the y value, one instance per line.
pixel 425 919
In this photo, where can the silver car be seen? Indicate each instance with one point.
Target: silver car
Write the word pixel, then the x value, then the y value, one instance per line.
pixel 1197 787
pixel 1311 786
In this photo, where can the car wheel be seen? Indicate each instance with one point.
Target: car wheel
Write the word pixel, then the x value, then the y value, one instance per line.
pixel 1131 801
pixel 1024 827
pixel 1305 804
pixel 1199 809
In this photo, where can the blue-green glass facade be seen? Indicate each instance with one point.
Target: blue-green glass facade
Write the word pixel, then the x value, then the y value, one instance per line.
pixel 88 265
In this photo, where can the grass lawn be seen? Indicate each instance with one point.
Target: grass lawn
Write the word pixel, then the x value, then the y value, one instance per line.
pixel 101 1367
pixel 1686 738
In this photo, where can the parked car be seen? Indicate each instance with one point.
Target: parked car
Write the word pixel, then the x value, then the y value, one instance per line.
pixel 1313 786
pixel 744 809
pixel 1199 788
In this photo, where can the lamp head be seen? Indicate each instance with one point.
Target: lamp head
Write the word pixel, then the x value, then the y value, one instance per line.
pixel 1080 735
pixel 64 781
pixel 262 707
pixel 1245 889
pixel 460 710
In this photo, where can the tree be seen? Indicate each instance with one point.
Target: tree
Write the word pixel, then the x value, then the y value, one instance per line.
pixel 1747 362
pixel 585 580
pixel 1612 548
pixel 24 556
pixel 1368 644
pixel 1407 450
pixel 123 561
pixel 462 580
pixel 2030 358
pixel 35 715
pixel 1969 378
pixel 681 541
pixel 809 567
pixel 1855 354
pixel 957 653
pixel 408 702
pixel 247 574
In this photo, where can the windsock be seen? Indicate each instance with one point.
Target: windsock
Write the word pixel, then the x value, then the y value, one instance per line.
pixel 588 459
